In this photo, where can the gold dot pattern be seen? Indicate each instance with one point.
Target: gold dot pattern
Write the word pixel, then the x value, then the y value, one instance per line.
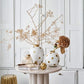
pixel 39 57
pixel 34 51
pixel 56 55
pixel 28 55
pixel 35 62
pixel 52 57
pixel 54 64
pixel 48 61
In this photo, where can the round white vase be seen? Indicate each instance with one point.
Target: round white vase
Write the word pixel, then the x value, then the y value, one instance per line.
pixel 52 59
pixel 37 54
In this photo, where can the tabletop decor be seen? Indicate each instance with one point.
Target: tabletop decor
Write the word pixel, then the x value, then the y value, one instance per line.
pixel 43 66
pixel 32 35
pixel 52 58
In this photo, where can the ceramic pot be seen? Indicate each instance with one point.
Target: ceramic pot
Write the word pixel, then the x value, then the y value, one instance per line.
pixel 27 59
pixel 52 59
pixel 37 54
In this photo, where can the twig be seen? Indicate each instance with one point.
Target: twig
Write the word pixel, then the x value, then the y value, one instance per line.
pixel 32 20
pixel 53 23
pixel 39 25
pixel 35 13
pixel 29 42
pixel 32 8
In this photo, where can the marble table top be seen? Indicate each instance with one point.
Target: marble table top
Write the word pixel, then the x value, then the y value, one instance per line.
pixel 39 71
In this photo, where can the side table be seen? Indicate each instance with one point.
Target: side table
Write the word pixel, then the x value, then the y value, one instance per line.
pixel 40 76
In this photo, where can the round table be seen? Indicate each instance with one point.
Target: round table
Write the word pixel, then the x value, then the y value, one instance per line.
pixel 40 76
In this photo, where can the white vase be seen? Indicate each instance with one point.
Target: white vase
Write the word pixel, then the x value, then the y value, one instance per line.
pixel 37 54
pixel 52 59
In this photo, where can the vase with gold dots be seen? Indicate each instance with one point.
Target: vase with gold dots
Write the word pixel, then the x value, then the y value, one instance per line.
pixel 52 58
pixel 37 54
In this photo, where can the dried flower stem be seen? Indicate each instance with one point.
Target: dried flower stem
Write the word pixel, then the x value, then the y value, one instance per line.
pixel 53 23
pixel 32 20
pixel 31 43
pixel 35 13
pixel 42 22
pixel 32 8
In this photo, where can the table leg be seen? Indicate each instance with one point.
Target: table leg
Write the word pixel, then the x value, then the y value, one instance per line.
pixel 46 78
pixel 40 79
pixel 30 78
pixel 34 79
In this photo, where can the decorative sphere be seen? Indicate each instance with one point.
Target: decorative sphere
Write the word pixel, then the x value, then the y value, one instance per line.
pixel 43 66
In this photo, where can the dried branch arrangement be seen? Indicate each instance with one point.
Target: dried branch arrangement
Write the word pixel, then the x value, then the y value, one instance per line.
pixel 32 35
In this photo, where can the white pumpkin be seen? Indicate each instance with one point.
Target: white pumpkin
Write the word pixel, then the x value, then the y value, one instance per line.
pixel 37 54
pixel 52 59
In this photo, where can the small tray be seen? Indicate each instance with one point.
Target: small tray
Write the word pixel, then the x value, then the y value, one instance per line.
pixel 28 66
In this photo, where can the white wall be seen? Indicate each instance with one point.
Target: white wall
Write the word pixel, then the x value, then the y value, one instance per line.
pixel 74 29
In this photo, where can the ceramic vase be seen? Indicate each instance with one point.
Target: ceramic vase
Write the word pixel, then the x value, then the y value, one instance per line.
pixel 37 54
pixel 52 58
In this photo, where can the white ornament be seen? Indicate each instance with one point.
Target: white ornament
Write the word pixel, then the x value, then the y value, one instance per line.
pixel 52 59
